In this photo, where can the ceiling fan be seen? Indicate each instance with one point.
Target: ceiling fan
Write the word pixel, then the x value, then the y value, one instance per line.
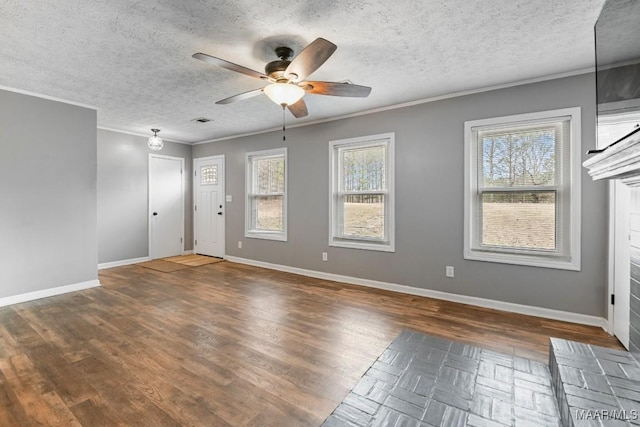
pixel 287 77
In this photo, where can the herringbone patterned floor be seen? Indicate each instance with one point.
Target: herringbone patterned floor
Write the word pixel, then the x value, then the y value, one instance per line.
pixel 421 380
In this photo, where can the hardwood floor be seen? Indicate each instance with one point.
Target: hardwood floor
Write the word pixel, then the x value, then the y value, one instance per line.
pixel 223 344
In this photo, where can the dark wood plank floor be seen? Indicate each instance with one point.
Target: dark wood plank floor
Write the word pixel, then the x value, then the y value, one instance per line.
pixel 223 344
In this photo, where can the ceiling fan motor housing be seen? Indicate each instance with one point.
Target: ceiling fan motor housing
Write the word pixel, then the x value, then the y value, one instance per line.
pixel 275 69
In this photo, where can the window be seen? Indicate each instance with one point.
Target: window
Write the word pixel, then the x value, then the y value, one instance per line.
pixel 209 175
pixel 522 189
pixel 362 201
pixel 266 181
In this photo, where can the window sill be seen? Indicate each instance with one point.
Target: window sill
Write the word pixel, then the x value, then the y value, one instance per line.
pixel 282 237
pixel 352 244
pixel 529 260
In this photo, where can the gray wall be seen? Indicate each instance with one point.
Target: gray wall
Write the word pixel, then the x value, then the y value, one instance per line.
pixel 48 188
pixel 123 175
pixel 429 203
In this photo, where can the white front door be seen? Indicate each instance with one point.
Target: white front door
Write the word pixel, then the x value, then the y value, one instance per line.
pixel 622 261
pixel 209 198
pixel 166 206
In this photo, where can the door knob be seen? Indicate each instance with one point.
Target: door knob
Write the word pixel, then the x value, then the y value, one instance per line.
pixel 155 214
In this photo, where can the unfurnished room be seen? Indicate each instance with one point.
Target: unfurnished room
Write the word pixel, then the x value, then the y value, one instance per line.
pixel 320 213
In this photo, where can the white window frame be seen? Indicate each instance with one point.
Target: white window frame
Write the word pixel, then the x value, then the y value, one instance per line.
pixel 335 148
pixel 249 231
pixel 570 260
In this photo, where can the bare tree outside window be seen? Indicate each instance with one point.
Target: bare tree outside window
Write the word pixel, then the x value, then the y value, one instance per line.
pixel 363 182
pixel 266 194
pixel 363 174
pixel 518 168
pixel 362 193
pixel 522 189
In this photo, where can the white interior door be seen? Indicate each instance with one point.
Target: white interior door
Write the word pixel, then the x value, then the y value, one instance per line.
pixel 623 201
pixel 622 262
pixel 209 209
pixel 166 206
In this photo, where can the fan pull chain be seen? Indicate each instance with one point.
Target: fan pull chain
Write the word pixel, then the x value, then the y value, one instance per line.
pixel 284 138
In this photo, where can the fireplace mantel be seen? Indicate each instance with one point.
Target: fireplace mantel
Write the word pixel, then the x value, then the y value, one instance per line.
pixel 620 160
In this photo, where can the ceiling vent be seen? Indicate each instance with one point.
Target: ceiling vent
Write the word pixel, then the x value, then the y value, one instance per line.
pixel 201 120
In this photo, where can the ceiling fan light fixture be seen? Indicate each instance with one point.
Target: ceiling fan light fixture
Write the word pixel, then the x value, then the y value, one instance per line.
pixel 155 142
pixel 284 93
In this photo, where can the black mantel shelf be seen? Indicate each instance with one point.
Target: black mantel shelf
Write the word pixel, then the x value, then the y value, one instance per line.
pixel 620 160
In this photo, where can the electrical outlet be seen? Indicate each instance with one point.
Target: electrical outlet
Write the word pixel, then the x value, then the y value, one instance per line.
pixel 449 271
pixel 239 244
pixel 228 198
pixel 325 256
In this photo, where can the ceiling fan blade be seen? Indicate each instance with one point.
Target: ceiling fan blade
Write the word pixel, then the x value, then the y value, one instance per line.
pixel 299 109
pixel 309 59
pixel 230 66
pixel 241 96
pixel 336 89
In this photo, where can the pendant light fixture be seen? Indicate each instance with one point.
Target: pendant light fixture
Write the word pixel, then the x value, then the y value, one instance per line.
pixel 155 142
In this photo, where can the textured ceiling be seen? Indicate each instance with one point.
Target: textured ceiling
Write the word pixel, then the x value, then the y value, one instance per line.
pixel 132 59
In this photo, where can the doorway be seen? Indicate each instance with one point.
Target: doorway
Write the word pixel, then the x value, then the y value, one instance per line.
pixel 621 195
pixel 622 204
pixel 209 206
pixel 166 206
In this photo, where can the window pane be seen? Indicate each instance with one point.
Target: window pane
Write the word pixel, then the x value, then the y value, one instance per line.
pixel 525 220
pixel 269 175
pixel 518 158
pixel 363 169
pixel 267 213
pixel 363 216
pixel 209 175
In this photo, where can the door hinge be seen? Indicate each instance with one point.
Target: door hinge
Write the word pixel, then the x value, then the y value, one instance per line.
pixel 195 173
pixel 181 240
pixel 195 207
pixel 613 299
pixel 196 242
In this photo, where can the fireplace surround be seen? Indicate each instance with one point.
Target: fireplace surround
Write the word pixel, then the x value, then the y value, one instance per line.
pixel 617 37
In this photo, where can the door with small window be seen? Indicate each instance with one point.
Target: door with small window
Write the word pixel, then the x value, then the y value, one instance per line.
pixel 209 206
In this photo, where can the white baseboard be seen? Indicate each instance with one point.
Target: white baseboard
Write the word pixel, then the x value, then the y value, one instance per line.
pixel 187 252
pixel 30 296
pixel 547 313
pixel 122 262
